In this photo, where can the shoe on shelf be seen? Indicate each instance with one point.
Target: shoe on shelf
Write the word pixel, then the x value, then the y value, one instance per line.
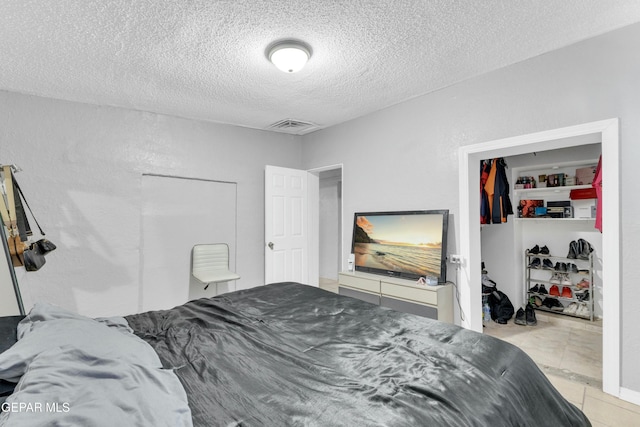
pixel 535 289
pixel 560 266
pixel 553 304
pixel 583 284
pixel 571 308
pixel 557 306
pixel 565 280
pixel 566 292
pixel 573 250
pixel 544 250
pixel 583 295
pixel 583 310
pixel 520 318
pixel 584 249
pixel 535 301
pixel 535 263
pixel 555 279
pixel 535 250
pixel 572 268
pixel 554 291
pixel 542 290
pixel 530 316
pixel 547 264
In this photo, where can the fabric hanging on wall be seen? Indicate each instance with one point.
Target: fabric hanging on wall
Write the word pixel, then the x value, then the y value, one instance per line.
pixel 485 212
pixel 8 211
pixel 21 216
pixel 597 184
pixel 495 203
pixel 22 251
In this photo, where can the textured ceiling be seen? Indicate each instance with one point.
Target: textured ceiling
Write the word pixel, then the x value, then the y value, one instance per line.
pixel 205 59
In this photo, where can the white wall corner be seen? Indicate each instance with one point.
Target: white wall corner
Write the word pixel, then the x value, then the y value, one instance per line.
pixel 630 396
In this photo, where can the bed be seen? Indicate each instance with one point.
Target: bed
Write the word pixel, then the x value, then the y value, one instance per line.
pixel 276 355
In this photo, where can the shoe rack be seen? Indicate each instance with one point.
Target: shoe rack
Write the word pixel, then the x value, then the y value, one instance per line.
pixel 557 284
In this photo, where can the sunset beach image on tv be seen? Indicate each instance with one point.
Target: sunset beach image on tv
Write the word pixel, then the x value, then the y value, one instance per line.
pixel 409 244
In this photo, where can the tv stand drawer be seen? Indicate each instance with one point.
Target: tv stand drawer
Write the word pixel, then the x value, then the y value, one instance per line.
pixel 423 295
pixel 359 282
pixel 399 294
pixel 363 296
pixel 410 307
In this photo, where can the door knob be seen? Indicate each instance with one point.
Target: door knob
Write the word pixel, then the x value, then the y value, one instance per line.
pixel 270 244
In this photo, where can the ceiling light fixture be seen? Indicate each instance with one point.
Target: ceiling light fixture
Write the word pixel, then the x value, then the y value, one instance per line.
pixel 289 56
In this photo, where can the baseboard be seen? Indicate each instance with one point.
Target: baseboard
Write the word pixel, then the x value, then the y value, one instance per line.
pixel 630 396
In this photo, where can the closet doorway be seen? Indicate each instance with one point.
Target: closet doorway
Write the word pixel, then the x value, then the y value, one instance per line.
pixel 330 225
pixel 470 244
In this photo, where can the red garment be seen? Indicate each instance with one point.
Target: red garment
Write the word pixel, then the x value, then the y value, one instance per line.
pixel 597 184
pixel 485 214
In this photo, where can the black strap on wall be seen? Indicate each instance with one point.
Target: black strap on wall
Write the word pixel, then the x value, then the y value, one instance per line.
pixel 15 184
pixel 12 271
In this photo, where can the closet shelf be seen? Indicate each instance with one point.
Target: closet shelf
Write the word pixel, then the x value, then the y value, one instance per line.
pixel 550 190
pixel 552 219
pixel 542 308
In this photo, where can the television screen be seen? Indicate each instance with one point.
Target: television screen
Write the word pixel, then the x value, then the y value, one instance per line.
pixel 409 244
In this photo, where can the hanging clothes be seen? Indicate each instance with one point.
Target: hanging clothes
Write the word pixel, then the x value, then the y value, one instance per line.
pixel 495 203
pixel 597 184
pixel 502 207
pixel 489 188
pixel 485 212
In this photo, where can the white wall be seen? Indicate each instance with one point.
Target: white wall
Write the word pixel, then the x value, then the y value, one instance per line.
pixel 82 176
pixel 405 157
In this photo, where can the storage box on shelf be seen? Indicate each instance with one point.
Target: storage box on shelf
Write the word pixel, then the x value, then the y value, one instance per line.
pixel 435 302
pixel 553 186
pixel 573 294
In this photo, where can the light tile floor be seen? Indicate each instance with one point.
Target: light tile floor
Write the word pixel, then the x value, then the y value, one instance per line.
pixel 569 351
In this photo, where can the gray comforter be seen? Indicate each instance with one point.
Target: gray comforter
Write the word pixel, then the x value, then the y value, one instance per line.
pixel 289 354
pixel 75 371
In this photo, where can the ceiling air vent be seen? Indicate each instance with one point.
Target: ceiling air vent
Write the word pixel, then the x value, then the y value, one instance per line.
pixel 296 127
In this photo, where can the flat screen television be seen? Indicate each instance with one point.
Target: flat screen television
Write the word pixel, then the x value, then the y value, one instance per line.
pixel 408 244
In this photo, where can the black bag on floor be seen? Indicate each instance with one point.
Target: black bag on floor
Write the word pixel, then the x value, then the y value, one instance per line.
pixel 501 307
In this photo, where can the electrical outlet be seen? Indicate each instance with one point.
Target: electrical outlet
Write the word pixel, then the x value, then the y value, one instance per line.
pixel 455 259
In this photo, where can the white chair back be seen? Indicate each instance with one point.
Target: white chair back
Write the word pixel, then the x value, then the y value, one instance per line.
pixel 210 263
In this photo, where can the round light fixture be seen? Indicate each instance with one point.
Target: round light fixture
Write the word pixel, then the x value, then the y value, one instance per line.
pixel 289 56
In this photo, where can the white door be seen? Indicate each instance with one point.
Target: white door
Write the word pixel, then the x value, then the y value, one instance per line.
pixel 291 226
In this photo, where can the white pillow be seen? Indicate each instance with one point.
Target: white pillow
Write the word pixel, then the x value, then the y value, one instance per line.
pixel 74 370
pixel 66 386
pixel 48 327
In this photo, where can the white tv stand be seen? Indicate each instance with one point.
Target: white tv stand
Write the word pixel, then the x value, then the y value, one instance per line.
pixel 435 302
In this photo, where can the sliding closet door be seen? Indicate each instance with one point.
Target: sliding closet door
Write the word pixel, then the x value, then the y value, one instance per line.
pixel 178 213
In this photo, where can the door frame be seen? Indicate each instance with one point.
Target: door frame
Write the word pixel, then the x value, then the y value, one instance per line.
pixel 147 296
pixel 470 247
pixel 316 171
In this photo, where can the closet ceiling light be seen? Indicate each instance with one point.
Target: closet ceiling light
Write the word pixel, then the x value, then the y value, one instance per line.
pixel 289 56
